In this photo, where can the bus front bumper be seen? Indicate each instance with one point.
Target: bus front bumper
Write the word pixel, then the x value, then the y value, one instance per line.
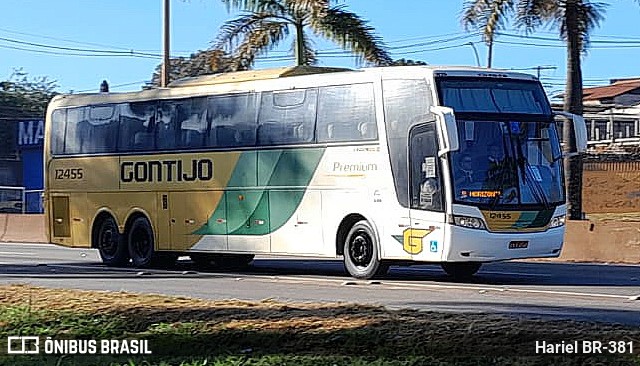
pixel 470 245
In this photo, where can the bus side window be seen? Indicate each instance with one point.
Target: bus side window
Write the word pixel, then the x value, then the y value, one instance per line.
pixel 166 130
pixel 73 138
pixel 228 136
pixel 137 121
pixel 191 114
pixel 232 120
pixel 58 126
pixel 270 133
pixel 287 117
pixel 346 113
pixel 99 131
pixel 404 100
pixel 367 130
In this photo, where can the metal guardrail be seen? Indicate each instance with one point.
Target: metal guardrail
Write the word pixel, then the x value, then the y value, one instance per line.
pixel 20 200
pixel 609 127
pixel 629 141
pixel 612 166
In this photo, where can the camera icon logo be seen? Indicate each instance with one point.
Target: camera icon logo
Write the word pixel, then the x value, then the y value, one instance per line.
pixel 23 345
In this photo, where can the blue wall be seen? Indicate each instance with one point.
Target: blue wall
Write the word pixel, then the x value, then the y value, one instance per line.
pixel 30 136
pixel 32 178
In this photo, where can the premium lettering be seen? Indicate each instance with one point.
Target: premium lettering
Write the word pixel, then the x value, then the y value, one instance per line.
pixel 166 171
pixel 357 167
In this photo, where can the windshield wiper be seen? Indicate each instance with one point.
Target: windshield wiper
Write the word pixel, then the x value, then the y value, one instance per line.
pixel 505 165
pixel 536 189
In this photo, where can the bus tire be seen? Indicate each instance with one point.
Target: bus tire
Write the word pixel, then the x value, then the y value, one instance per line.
pixel 110 244
pixel 461 270
pixel 233 261
pixel 361 257
pixel 141 243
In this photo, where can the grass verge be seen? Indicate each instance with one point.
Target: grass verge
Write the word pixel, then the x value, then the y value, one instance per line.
pixel 191 332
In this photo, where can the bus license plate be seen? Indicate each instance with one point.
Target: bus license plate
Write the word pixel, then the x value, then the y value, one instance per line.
pixel 518 244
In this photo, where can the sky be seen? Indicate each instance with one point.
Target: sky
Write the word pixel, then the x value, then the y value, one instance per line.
pixel 58 39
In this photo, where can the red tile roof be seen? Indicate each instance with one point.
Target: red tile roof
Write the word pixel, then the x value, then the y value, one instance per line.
pixel 610 91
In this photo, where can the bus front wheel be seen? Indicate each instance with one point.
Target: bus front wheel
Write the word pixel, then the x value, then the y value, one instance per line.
pixel 361 257
pixel 113 250
pixel 461 270
pixel 141 243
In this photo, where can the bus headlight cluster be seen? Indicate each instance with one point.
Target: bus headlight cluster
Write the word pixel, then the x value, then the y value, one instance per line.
pixel 470 222
pixel 557 221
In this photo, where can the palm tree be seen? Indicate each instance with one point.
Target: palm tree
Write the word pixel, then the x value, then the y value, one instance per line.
pixel 487 16
pixel 575 20
pixel 265 23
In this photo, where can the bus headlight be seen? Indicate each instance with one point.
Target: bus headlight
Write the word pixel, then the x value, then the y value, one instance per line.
pixel 470 222
pixel 557 221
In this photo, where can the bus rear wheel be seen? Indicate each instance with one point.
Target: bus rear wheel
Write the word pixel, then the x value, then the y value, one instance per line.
pixel 141 243
pixel 361 258
pixel 107 239
pixel 461 270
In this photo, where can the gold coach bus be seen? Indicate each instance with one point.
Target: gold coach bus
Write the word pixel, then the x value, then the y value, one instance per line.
pixel 450 165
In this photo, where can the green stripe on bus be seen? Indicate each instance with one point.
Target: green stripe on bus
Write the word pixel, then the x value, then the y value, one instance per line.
pixel 259 211
pixel 533 219
pixel 543 218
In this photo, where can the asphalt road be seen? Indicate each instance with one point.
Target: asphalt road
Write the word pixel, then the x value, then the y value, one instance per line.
pixel 595 292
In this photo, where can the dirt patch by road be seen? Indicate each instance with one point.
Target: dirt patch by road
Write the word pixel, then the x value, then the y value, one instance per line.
pixel 611 188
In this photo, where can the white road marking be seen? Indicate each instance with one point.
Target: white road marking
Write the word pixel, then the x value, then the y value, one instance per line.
pixel 569 293
pixel 19 254
pixel 34 245
pixel 405 286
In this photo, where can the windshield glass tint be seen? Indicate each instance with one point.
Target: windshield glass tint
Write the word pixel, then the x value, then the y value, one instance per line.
pixel 493 96
pixel 507 163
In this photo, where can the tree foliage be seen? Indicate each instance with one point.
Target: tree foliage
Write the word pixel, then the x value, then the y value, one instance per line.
pixel 264 24
pixel 487 16
pixel 406 62
pixel 199 63
pixel 22 96
pixel 490 16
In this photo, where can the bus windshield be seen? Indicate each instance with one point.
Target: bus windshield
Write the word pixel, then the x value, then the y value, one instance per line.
pixel 471 95
pixel 509 149
pixel 507 163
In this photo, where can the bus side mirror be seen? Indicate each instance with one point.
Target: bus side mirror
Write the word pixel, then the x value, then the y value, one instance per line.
pixel 447 129
pixel 580 131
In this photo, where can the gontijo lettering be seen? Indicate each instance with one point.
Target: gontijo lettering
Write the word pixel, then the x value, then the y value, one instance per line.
pixel 166 171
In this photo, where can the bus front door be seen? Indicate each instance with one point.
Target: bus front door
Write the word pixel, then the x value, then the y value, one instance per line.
pixel 426 195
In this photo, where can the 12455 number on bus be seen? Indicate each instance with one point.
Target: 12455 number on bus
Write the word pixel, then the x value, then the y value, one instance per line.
pixel 73 173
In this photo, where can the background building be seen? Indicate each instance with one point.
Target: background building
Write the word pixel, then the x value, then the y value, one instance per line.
pixel 21 165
